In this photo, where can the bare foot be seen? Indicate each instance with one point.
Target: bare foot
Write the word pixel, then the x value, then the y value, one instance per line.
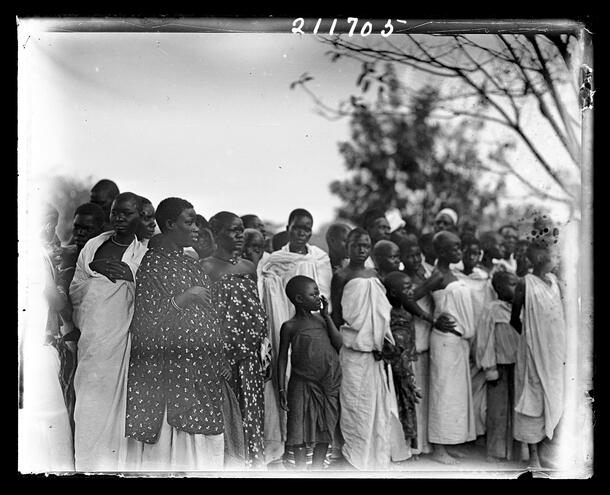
pixel 443 457
pixel 455 452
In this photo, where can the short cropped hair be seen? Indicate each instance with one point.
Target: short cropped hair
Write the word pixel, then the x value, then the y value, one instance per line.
pixel 129 196
pixel 356 233
pixel 220 220
pixel 469 240
pixel 299 212
pixel 500 278
pixel 145 201
pixel 107 186
pixel 170 209
pixel 99 217
pixel 335 228
pixel 296 284
pixel 248 220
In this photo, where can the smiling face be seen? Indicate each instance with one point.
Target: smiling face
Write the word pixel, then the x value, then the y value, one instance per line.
pixel 231 236
pixel 358 248
pixel 299 231
pixel 125 217
pixel 184 231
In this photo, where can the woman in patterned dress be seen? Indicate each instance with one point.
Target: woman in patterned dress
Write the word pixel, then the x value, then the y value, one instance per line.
pixel 243 323
pixel 176 370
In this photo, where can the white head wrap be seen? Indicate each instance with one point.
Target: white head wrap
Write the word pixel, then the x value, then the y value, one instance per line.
pixel 450 213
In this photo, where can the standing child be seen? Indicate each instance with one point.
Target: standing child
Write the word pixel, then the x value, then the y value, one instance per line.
pixel 402 354
pixel 541 357
pixel 312 398
pixel 496 352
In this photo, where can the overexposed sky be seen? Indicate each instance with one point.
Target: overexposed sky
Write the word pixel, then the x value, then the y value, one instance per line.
pixel 206 117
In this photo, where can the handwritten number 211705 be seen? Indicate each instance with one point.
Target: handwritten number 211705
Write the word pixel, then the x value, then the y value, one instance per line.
pixel 365 29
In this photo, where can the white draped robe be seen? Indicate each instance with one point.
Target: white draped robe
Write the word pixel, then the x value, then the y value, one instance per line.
pixel 103 312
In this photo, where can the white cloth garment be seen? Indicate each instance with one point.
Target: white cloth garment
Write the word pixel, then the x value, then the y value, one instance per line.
pixel 451 418
pixel 540 367
pixel 102 311
pixel 45 436
pixel 369 413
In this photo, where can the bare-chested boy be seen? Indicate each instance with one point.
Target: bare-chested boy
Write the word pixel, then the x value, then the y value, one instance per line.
pixel 386 256
pixel 312 396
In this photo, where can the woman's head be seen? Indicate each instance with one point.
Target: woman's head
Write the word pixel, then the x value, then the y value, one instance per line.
pixel 228 230
pixel 176 219
pixel 300 225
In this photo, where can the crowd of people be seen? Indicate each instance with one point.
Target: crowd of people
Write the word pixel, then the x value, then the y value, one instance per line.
pixel 172 342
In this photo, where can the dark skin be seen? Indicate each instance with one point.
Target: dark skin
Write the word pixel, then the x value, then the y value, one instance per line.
pixel 493 248
pixel 379 230
pixel 443 222
pixel 448 249
pixel 543 264
pixel 229 244
pixel 125 219
pixel 299 233
pixel 358 250
pixel 470 258
pixel 337 246
pixel 254 247
pixel 411 258
pixel 509 240
pixel 147 222
pixel 84 228
pixel 205 244
pixel 386 257
pixel 306 302
pixel 103 198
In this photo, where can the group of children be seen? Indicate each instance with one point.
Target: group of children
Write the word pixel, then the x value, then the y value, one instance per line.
pixel 388 345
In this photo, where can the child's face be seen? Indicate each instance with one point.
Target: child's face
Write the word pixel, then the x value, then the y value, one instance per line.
pixel 404 289
pixel 452 250
pixel 204 245
pixel 359 248
pixel 309 297
pixel 506 290
pixel 471 255
pixel 389 261
pixel 412 258
pixel 254 248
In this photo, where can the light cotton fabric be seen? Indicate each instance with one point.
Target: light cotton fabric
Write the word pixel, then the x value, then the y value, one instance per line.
pixel 369 413
pixel 540 368
pixel 451 418
pixel 103 312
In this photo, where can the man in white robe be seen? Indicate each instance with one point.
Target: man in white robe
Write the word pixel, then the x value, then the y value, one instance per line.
pixel 369 413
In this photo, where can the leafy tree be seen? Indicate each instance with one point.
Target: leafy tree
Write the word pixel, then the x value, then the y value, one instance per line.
pixel 400 156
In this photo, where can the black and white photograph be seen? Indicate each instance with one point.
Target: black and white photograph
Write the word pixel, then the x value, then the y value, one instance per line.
pixel 319 247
